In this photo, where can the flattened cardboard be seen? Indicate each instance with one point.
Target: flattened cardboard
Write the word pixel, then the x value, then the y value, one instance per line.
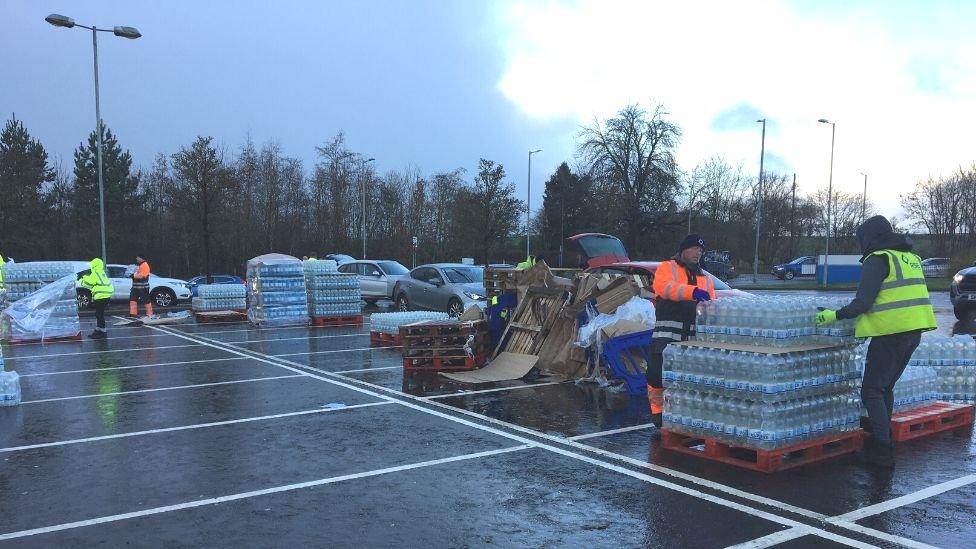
pixel 506 366
pixel 624 327
pixel 762 349
pixel 472 313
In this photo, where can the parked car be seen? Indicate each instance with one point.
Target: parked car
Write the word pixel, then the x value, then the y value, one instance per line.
pixel 962 293
pixel 719 263
pixel 935 267
pixel 377 278
pixel 340 259
pixel 801 266
pixel 163 292
pixel 215 279
pixel 449 287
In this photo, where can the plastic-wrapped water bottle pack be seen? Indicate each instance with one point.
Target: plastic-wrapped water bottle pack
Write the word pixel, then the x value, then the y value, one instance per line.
pixel 28 280
pixel 954 361
pixel 220 297
pixel 277 292
pixel 9 385
pixel 389 323
pixel 917 387
pixel 331 293
pixel 771 321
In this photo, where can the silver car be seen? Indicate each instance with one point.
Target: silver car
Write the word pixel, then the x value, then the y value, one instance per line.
pixel 377 278
pixel 449 287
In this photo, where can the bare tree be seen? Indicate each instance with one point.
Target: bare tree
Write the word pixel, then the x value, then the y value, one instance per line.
pixel 937 206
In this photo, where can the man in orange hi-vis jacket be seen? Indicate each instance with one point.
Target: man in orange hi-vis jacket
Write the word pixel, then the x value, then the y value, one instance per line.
pixel 679 284
pixel 140 288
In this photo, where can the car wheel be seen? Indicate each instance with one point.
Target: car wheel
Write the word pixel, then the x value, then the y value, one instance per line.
pixel 963 313
pixel 455 308
pixel 370 301
pixel 403 304
pixel 789 275
pixel 163 298
pixel 84 299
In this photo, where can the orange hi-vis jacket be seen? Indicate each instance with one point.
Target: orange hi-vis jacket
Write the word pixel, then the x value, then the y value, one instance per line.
pixel 140 279
pixel 675 306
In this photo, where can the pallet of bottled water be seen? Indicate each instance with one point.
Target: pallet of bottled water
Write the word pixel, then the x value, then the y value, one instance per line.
pixel 220 297
pixel 760 400
pixel 954 361
pixel 771 321
pixel 9 385
pixel 917 387
pixel 331 293
pixel 276 293
pixel 24 280
pixel 389 323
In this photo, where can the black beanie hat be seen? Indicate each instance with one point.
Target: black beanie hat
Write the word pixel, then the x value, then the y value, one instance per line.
pixel 691 241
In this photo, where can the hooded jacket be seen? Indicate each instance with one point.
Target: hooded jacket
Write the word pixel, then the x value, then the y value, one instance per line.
pixel 98 281
pixel 873 235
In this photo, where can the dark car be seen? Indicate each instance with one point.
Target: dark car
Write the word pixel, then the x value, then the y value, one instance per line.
pixel 802 266
pixel 217 279
pixel 719 263
pixel 962 293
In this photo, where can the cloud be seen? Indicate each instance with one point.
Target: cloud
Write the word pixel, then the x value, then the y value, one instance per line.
pixel 715 65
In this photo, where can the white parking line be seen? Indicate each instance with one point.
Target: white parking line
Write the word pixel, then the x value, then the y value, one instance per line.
pixel 494 390
pixel 612 431
pixel 150 365
pixel 333 351
pixel 9 358
pixel 79 342
pixel 163 389
pixel 775 538
pixel 187 427
pixel 907 499
pixel 400 367
pixel 255 493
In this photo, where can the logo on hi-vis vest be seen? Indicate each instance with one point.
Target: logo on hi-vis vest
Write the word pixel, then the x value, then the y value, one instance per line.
pixel 910 260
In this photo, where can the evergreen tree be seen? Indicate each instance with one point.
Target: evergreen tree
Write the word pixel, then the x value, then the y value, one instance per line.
pixel 23 172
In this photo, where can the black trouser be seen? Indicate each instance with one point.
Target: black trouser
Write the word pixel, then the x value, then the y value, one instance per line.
pixel 886 361
pixel 99 306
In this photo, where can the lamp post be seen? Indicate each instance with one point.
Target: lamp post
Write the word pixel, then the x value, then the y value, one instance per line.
pixel 123 32
pixel 528 205
pixel 362 174
pixel 830 196
pixel 864 196
pixel 762 156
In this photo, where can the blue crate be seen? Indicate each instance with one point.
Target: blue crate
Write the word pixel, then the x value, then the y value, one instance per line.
pixel 621 353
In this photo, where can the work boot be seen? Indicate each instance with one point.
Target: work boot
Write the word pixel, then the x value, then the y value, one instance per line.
pixel 98 335
pixel 876 454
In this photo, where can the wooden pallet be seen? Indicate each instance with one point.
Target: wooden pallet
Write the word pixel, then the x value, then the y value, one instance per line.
pixel 929 420
pixel 531 322
pixel 442 328
pixel 383 339
pixel 444 364
pixel 478 339
pixel 203 317
pixel 17 341
pixel 499 280
pixel 764 461
pixel 350 320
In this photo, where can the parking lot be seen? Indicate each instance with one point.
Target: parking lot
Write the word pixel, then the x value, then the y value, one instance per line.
pixel 224 434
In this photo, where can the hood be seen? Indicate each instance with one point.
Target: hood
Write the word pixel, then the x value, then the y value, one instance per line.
pixel 876 234
pixel 474 287
pixel 97 265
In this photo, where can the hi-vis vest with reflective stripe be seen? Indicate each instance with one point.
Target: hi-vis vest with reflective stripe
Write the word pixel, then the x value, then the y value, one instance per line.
pixel 99 284
pixel 903 303
pixel 675 307
pixel 1 271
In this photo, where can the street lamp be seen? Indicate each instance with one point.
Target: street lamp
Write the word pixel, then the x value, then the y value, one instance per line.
pixel 362 170
pixel 830 195
pixel 864 196
pixel 122 32
pixel 528 205
pixel 762 156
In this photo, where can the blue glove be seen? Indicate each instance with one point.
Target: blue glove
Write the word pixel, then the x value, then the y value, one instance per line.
pixel 700 295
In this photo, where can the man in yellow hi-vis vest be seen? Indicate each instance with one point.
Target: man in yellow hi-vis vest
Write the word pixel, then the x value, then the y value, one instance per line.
pixel 892 307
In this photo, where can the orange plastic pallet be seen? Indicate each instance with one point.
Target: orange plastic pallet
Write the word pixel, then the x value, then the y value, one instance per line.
pixel 445 364
pixel 382 339
pixel 15 341
pixel 351 320
pixel 764 461
pixel 928 420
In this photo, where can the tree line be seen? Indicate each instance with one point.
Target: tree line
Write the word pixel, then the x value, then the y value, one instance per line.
pixel 204 208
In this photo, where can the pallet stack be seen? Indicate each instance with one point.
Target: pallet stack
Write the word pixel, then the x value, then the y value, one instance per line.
pixel 220 302
pixel 444 345
pixel 276 288
pixel 334 298
pixel 384 328
pixel 21 281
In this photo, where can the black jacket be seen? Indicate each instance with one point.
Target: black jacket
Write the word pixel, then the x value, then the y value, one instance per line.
pixel 873 235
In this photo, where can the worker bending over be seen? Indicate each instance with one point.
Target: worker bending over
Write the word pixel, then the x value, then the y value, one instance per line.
pixel 679 284
pixel 140 288
pixel 892 307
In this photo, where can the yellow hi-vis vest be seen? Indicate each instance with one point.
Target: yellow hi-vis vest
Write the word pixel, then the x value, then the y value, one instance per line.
pixel 903 303
pixel 1 271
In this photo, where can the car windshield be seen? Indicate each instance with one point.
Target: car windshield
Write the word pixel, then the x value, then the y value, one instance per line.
pixel 464 275
pixel 798 260
pixel 392 268
pixel 596 246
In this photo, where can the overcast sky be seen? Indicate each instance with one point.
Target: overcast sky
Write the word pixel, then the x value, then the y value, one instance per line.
pixel 437 85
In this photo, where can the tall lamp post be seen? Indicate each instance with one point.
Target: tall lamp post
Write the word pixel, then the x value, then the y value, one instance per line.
pixel 830 195
pixel 864 197
pixel 528 205
pixel 123 32
pixel 362 174
pixel 762 156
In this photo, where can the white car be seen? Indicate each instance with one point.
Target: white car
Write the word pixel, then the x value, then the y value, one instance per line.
pixel 163 292
pixel 936 267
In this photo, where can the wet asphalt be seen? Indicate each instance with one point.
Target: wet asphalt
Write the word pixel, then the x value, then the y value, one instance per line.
pixel 229 435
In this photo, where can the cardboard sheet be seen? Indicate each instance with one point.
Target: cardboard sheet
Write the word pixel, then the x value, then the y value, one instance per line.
pixel 504 367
